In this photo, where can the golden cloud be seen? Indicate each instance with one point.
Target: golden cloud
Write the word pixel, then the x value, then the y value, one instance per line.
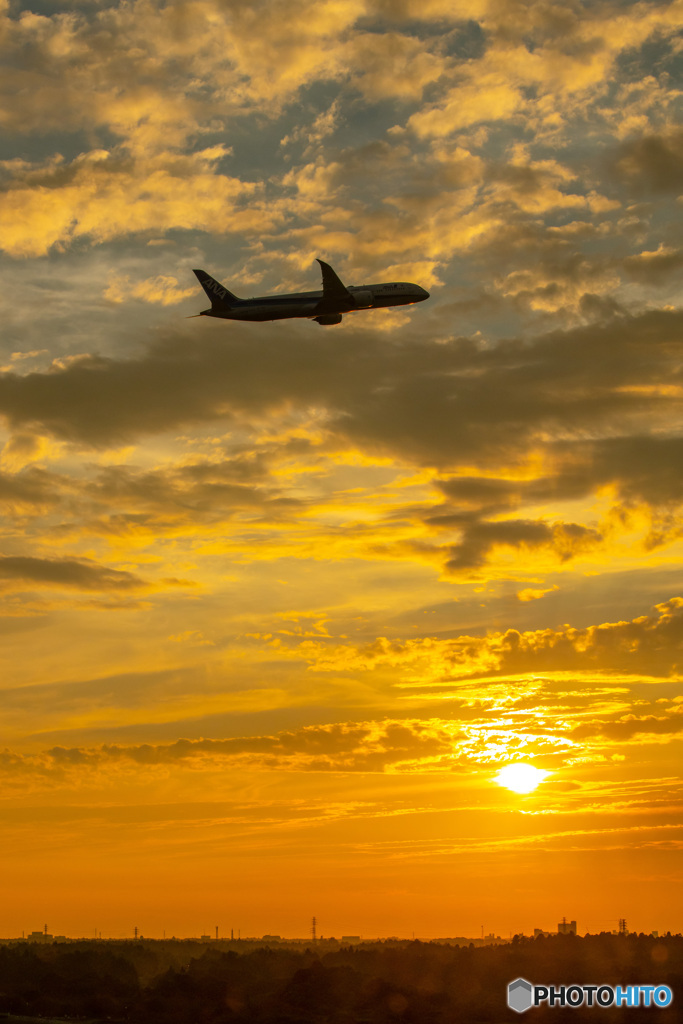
pixel 650 645
pixel 349 747
pixel 102 198
pixel 163 289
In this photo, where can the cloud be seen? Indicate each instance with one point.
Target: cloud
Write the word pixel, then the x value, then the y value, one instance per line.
pixel 491 97
pixel 425 10
pixel 545 64
pixel 65 572
pixel 163 289
pixel 392 65
pixel 651 163
pixel 641 468
pixel 341 747
pixel 480 538
pixel 33 487
pixel 556 419
pixel 168 497
pixel 516 719
pixel 628 726
pixel 103 195
pixel 22 449
pixel 552 424
pixel 530 594
pixel 437 404
pixel 649 645
pixel 654 268
pixel 154 74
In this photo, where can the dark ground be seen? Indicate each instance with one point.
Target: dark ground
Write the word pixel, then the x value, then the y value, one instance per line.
pixel 176 982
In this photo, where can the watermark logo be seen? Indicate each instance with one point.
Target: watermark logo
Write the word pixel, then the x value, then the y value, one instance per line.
pixel 522 995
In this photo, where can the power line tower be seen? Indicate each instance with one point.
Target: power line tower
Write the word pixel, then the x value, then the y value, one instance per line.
pixel 313 924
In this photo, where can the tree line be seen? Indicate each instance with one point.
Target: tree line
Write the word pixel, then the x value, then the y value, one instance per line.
pixel 155 982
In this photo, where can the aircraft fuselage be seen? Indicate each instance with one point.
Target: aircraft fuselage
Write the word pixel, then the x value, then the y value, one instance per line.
pixel 325 306
pixel 306 304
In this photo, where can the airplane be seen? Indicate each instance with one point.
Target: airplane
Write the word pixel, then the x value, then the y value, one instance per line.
pixel 325 307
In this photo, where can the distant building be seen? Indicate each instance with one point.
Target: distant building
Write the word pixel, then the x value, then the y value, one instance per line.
pixel 350 938
pixel 271 938
pixel 39 937
pixel 539 931
pixel 566 927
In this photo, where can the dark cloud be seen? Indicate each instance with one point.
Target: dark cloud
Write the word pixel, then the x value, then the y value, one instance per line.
pixel 655 56
pixel 654 268
pixel 202 487
pixel 644 468
pixel 650 644
pixel 652 163
pixel 65 572
pixel 347 746
pixel 600 307
pixel 31 487
pixel 479 492
pixel 566 539
pixel 457 403
pixel 631 725
pixel 435 404
pixel 641 469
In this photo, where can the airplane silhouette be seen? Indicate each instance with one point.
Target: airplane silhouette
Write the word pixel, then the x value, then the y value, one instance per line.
pixel 325 307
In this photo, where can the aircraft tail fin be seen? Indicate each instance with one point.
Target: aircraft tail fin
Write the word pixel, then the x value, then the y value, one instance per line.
pixel 219 295
pixel 334 291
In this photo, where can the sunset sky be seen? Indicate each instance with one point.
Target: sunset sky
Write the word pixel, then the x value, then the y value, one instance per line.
pixel 280 600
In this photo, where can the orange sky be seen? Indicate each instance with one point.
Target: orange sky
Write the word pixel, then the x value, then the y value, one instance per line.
pixel 279 601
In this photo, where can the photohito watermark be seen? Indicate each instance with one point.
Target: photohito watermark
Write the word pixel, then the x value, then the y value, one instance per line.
pixel 522 995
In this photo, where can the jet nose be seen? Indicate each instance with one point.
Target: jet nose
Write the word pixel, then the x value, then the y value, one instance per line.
pixel 423 294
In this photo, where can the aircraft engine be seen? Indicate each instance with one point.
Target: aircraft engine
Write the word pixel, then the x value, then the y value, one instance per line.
pixel 328 319
pixel 363 298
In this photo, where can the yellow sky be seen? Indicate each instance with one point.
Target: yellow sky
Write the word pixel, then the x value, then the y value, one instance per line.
pixel 279 601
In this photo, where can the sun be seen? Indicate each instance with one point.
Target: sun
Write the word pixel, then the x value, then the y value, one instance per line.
pixel 520 778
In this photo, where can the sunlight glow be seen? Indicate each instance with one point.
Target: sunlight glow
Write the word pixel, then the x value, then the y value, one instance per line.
pixel 520 778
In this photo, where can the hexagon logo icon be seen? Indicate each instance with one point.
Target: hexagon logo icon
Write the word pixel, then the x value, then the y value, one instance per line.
pixel 520 996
